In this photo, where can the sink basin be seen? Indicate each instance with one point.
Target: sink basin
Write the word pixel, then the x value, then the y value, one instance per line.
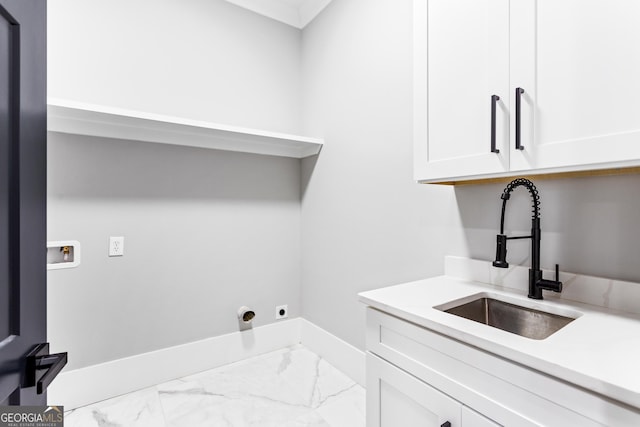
pixel 524 321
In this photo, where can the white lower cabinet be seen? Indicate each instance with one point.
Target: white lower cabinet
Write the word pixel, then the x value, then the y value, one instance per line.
pixel 396 398
pixel 471 418
pixel 418 377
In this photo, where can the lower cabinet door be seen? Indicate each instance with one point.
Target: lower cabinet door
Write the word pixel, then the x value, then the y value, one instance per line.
pixel 395 398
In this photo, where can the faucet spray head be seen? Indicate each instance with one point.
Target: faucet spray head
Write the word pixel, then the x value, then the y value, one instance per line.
pixel 501 252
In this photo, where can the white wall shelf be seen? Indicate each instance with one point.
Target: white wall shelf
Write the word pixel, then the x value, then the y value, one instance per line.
pixel 93 120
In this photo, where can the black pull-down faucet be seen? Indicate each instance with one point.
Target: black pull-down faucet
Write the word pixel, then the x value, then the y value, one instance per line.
pixel 536 282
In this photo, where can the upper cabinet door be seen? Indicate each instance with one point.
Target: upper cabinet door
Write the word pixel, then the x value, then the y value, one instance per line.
pixel 461 60
pixel 578 63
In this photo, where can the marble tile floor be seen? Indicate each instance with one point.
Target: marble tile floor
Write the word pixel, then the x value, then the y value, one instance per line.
pixel 292 387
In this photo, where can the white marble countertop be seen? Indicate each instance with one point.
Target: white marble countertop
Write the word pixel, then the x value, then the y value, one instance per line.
pixel 599 351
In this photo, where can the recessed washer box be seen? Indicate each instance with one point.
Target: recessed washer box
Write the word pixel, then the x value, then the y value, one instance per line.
pixel 63 254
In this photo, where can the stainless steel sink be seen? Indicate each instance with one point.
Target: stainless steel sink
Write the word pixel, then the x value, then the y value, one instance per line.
pixel 524 321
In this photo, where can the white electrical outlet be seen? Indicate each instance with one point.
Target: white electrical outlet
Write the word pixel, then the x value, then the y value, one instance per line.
pixel 282 312
pixel 116 246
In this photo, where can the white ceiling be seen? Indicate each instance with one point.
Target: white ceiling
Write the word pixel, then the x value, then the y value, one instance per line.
pixel 297 13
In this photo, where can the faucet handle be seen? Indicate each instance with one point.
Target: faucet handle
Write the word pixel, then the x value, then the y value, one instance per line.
pixel 558 284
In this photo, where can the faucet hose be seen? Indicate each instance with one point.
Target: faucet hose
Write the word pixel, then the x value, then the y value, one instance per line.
pixel 506 194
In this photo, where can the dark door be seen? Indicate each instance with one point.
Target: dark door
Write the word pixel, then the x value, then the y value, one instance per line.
pixel 22 194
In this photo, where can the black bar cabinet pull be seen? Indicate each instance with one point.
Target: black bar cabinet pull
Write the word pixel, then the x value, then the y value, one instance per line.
pixel 39 359
pixel 446 424
pixel 494 101
pixel 519 92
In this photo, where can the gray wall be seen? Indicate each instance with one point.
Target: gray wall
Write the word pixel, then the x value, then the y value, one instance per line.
pixel 200 59
pixel 205 231
pixel 366 224
pixel 589 225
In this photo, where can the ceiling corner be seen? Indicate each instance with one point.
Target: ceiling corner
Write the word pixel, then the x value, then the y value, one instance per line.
pixel 297 13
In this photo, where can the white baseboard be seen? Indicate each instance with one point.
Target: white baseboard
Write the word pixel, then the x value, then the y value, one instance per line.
pixel 95 383
pixel 92 384
pixel 339 353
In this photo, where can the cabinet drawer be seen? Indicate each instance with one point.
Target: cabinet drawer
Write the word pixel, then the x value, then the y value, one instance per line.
pixel 504 391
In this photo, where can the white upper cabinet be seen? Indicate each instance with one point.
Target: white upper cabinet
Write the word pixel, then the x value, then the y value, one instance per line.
pixel 573 64
pixel 461 62
pixel 579 64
